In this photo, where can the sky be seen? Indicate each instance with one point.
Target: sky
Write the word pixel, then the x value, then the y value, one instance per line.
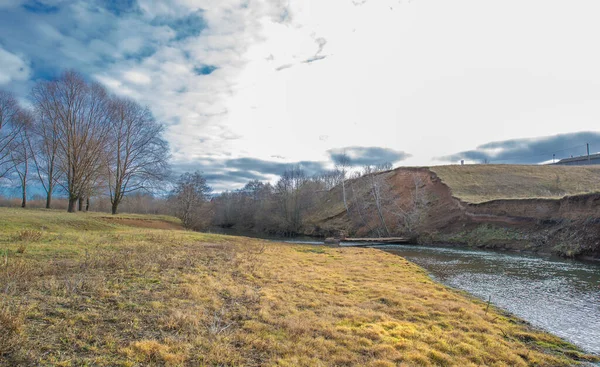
pixel 247 88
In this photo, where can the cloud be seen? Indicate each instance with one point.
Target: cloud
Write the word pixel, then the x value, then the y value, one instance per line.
pixel 40 7
pixel 13 67
pixel 321 42
pixel 179 57
pixel 314 58
pixel 273 167
pixel 531 150
pixel 190 25
pixel 361 156
pixel 87 36
pixel 283 67
pixel 225 174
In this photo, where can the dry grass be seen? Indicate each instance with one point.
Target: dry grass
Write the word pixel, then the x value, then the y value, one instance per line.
pixel 480 183
pixel 121 296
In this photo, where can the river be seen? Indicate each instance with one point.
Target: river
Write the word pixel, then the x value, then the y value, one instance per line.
pixel 558 295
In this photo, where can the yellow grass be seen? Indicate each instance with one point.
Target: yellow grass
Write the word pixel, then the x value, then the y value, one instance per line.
pixel 101 294
pixel 480 183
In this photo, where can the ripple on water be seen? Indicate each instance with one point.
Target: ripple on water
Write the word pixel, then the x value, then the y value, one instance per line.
pixel 560 296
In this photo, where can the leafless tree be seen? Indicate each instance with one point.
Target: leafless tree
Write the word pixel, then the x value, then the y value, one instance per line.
pixel 329 179
pixel 9 130
pixel 82 116
pixel 44 139
pixel 342 165
pixel 20 152
pixel 358 205
pixel 290 199
pixel 376 186
pixel 138 154
pixel 417 210
pixel 189 199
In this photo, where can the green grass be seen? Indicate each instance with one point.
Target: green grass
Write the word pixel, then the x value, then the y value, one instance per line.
pixel 484 182
pixel 483 234
pixel 79 291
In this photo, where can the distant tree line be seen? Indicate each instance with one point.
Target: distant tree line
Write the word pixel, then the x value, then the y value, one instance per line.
pixel 81 140
pixel 289 206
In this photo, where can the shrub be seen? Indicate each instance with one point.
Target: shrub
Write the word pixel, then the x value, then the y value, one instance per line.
pixel 28 235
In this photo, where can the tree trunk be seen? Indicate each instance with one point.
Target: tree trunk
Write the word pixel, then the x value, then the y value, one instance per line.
pixel 380 212
pixel 344 195
pixel 114 208
pixel 24 201
pixel 72 202
pixel 80 206
pixel 49 199
pixel 87 204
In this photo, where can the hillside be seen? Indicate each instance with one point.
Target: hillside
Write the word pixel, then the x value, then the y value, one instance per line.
pixel 545 209
pixel 484 182
pixel 76 290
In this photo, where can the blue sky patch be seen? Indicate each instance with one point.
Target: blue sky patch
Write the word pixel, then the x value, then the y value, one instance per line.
pixel 205 69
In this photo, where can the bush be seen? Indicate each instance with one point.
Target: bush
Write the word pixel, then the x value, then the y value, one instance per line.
pixel 28 235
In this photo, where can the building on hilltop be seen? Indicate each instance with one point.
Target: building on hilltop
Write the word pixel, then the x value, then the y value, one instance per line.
pixel 583 160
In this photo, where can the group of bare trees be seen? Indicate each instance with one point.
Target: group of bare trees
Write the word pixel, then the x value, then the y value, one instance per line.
pixel 278 208
pixel 370 202
pixel 80 139
pixel 370 196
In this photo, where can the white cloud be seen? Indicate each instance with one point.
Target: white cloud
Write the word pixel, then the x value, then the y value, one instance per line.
pixel 14 68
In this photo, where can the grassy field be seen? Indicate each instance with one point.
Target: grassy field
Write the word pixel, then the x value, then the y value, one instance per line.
pixel 484 182
pixel 81 290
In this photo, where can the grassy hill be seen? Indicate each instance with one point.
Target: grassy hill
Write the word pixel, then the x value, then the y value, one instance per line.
pixel 480 183
pixel 81 289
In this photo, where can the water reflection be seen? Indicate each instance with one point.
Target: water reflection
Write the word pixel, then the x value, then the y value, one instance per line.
pixel 560 296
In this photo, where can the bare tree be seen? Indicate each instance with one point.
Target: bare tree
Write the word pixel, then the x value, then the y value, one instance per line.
pixel 418 207
pixel 81 112
pixel 44 139
pixel 20 153
pixel 329 179
pixel 188 199
pixel 376 186
pixel 289 194
pixel 342 164
pixel 358 204
pixel 9 130
pixel 138 153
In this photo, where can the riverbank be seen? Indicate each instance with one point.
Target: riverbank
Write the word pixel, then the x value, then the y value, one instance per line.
pixel 77 290
pixel 538 209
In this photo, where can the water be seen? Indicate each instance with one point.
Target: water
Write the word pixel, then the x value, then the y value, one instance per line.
pixel 557 295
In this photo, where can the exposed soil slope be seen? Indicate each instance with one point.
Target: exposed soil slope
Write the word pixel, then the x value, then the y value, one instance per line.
pixel 527 212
